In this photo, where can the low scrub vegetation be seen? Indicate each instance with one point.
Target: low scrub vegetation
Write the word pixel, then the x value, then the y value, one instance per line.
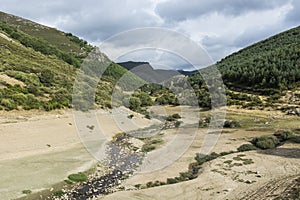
pixel 265 142
pixel 26 191
pixel 247 147
pixel 231 124
pixel 80 177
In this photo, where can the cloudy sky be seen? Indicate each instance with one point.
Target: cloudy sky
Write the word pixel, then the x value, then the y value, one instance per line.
pixel 219 26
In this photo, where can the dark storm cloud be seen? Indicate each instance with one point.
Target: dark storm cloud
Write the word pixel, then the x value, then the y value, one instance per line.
pixel 179 10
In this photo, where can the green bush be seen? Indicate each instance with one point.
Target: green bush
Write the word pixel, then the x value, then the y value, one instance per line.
pixel 246 147
pixel 194 167
pixel 58 193
pixel 184 176
pixel 80 177
pixel 144 98
pixel 287 134
pixel 176 116
pixel 147 116
pixel 295 139
pixel 172 181
pixel 202 124
pixel 173 117
pixel 200 158
pixel 134 103
pixel 150 184
pixel 265 142
pixel 67 181
pixel 19 98
pixel 26 191
pixel 130 116
pixel 9 104
pixel 148 147
pixel 177 124
pixel 231 124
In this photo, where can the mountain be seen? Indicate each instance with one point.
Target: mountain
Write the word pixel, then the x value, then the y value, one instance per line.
pixel 145 71
pixel 38 66
pixel 265 74
pixel 65 42
pixel 271 65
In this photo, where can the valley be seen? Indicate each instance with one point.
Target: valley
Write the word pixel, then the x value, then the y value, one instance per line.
pixel 70 129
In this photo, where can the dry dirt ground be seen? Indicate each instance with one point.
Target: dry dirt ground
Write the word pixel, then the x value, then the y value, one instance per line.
pixel 267 175
pixel 39 149
pixel 271 173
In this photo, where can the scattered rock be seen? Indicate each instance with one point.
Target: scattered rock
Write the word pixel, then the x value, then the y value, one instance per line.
pixel 90 127
pixel 295 111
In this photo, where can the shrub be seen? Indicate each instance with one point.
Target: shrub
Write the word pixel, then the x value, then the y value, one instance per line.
pixel 58 193
pixel 19 98
pixel 246 147
pixel 202 124
pixel 157 183
pixel 231 124
pixel 187 176
pixel 224 153
pixel 68 182
pixel 200 158
pixel 285 135
pixel 134 103
pixel 130 116
pixel 172 181
pixel 265 142
pixel 176 116
pixel 148 148
pixel 147 116
pixel 150 184
pixel 8 103
pixel 177 124
pixel 26 191
pixel 296 139
pixel 80 177
pixel 144 98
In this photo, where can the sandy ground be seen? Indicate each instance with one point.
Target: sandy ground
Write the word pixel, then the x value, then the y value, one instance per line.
pixel 226 142
pixel 266 177
pixel 39 149
pixel 271 172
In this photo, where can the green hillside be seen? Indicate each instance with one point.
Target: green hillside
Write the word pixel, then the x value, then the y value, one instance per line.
pixel 63 41
pixel 259 75
pixel 268 66
pixel 36 72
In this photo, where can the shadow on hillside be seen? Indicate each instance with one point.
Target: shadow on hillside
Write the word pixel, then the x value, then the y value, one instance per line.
pixel 283 152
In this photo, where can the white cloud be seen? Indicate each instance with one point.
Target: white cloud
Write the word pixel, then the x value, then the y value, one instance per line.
pixel 220 26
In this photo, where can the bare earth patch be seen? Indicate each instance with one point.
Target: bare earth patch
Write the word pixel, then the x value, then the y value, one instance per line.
pixel 39 149
pixel 11 81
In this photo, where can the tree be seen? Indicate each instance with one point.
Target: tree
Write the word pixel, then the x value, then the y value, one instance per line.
pixel 134 103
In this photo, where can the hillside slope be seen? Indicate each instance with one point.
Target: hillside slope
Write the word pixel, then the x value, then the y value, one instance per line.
pixel 36 72
pixel 267 66
pixel 64 41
